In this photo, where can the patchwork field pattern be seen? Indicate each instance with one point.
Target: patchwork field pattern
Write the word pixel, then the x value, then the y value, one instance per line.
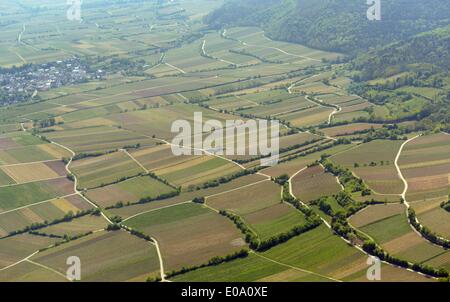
pixel 87 169
pixel 189 234
pixel 374 163
pixel 305 184
pixel 426 167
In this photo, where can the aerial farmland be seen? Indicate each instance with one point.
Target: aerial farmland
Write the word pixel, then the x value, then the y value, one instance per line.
pixel 89 165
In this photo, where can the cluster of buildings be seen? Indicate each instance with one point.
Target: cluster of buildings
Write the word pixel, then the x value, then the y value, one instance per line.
pixel 19 84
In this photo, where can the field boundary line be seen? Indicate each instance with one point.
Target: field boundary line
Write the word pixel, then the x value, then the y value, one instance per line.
pixel 37 203
pixel 321 104
pixel 174 67
pixel 348 241
pixel 18 262
pixel 189 201
pixel 214 57
pixel 47 268
pixel 295 267
pixel 405 190
pixel 271 47
pixel 161 263
pixel 29 163
pixel 289 89
pixel 75 182
pixel 156 209
pixel 128 92
pixel 183 97
pixel 238 188
pixel 28 182
pixel 135 160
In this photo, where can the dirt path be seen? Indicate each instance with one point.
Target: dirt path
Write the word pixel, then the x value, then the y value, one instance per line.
pixel 135 160
pixel 37 203
pixel 321 104
pixel 344 239
pixel 212 154
pixel 298 82
pixel 295 267
pixel 161 262
pixel 189 201
pixel 156 209
pixel 47 268
pixel 405 190
pixel 75 183
pixel 269 47
pixel 18 262
pixel 19 38
pixel 176 68
pixel 399 171
pixel 216 58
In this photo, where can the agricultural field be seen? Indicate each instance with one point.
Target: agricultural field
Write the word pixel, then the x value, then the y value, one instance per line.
pixel 94 172
pixel 189 234
pixel 131 190
pixel 76 227
pixel 15 196
pixel 426 167
pixel 22 147
pixel 187 196
pixel 259 206
pixel 374 162
pixel 18 219
pixel 389 227
pixel 305 184
pixel 131 259
pixel 346 130
pixel 253 268
pixel 90 115
pixel 199 170
pixel 35 171
pixel 98 139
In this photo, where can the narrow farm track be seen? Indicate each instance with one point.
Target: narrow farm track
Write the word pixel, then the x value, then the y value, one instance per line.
pixel 75 183
pixel 321 104
pixel 18 183
pixel 212 154
pixel 36 203
pixel 176 68
pixel 204 53
pixel 295 267
pixel 289 89
pixel 344 239
pixel 19 38
pixel 18 262
pixel 47 268
pixel 155 242
pixel 405 190
pixel 161 262
pixel 274 48
pixel 156 209
pixel 189 201
pixel 135 160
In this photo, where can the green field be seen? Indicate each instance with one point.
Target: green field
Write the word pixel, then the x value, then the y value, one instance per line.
pixel 131 259
pixel 26 194
pixel 99 171
pixel 181 231
pixel 87 123
pixel 131 190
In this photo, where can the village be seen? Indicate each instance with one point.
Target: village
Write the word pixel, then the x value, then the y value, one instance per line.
pixel 22 84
